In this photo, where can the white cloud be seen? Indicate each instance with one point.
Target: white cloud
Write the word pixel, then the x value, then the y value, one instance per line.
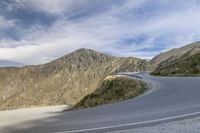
pixel 103 32
pixel 52 6
pixel 5 23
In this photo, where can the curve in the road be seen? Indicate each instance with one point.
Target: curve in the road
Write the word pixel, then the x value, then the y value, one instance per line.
pixel 174 98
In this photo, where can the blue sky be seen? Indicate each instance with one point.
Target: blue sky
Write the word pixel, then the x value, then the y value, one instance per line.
pixel 38 31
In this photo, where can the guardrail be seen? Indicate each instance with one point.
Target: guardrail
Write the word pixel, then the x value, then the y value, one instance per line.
pixel 132 74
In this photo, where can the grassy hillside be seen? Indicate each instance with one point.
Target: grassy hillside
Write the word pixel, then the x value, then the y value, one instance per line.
pixel 185 66
pixel 113 89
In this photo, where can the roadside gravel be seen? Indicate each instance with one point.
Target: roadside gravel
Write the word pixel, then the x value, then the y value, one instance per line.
pixel 182 126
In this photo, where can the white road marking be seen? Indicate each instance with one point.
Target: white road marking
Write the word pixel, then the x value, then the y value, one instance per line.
pixel 132 124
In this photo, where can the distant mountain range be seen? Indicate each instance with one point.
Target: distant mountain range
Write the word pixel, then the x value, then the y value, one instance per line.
pixel 6 63
pixel 65 80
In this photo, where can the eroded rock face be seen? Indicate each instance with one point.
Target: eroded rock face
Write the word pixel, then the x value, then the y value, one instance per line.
pixel 65 80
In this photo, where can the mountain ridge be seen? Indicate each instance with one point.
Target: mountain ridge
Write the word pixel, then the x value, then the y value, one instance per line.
pixel 186 66
pixel 183 61
pixel 175 53
pixel 65 80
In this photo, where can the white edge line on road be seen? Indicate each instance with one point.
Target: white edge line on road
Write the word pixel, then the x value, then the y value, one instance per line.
pixel 129 124
pixel 132 124
pixel 149 91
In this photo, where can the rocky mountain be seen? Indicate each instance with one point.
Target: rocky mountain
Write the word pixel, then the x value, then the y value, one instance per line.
pixel 65 80
pixel 182 61
pixel 188 65
pixel 6 63
pixel 113 89
pixel 174 54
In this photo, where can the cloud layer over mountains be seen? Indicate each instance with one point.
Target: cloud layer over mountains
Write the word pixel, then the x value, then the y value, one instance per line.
pixel 35 31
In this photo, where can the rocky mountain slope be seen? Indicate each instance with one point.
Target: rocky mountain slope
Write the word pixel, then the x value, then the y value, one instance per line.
pixel 188 65
pixel 182 61
pixel 174 54
pixel 113 89
pixel 65 80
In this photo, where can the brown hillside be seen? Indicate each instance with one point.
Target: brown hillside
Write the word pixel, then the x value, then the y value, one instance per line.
pixel 65 80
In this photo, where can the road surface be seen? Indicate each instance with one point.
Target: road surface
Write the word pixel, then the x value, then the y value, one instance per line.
pixel 182 126
pixel 172 98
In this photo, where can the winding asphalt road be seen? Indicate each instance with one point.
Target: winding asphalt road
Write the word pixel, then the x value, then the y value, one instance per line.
pixel 170 99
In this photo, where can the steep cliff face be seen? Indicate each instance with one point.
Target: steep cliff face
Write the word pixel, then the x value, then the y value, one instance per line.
pixel 65 80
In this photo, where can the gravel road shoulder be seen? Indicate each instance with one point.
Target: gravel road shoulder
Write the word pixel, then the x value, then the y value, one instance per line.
pixel 182 126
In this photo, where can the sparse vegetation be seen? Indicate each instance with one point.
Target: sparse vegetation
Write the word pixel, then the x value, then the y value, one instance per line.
pixel 113 89
pixel 174 54
pixel 185 66
pixel 63 81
